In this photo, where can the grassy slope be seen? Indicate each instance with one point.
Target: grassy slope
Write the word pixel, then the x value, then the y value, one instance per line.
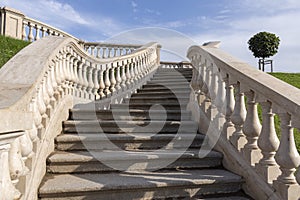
pixel 9 47
pixel 293 79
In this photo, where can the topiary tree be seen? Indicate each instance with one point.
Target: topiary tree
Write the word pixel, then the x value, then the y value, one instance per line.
pixel 263 45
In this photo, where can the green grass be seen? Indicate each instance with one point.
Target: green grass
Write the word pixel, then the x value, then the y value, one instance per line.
pixel 293 79
pixel 9 47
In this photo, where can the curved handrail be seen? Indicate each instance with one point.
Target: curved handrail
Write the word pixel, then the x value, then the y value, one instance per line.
pixel 41 83
pixel 220 83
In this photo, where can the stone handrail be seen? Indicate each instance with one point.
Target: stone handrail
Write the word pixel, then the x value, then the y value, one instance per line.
pixel 39 86
pixel 106 50
pixel 252 149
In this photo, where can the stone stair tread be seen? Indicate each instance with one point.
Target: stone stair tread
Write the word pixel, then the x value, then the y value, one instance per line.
pixel 85 156
pixel 136 137
pixel 121 122
pixel 89 182
pixel 224 198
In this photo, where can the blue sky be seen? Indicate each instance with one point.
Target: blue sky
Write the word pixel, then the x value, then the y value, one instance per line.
pixel 178 23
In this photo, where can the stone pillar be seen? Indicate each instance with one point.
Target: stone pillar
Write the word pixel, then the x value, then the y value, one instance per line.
pixel 11 22
pixel 7 188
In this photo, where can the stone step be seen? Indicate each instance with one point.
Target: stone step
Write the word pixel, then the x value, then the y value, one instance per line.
pixel 92 141
pixel 174 74
pixel 161 94
pixel 157 100
pixel 171 87
pixel 140 185
pixel 170 79
pixel 161 70
pixel 105 161
pixel 94 126
pixel 164 90
pixel 147 106
pixel 80 114
pixel 168 83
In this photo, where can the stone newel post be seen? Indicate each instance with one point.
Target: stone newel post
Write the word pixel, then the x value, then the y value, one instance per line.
pixel 11 22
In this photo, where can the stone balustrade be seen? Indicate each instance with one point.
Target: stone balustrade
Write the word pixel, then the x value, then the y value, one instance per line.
pixel 33 30
pixel 175 65
pixel 106 50
pixel 40 85
pixel 15 24
pixel 225 98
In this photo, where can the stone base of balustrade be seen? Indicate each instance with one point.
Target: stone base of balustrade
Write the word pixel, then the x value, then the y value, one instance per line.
pixel 253 156
pixel 285 191
pixel 268 173
pixel 238 141
pixel 228 131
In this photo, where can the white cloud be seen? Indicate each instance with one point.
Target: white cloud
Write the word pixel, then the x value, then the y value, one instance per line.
pixel 49 11
pixel 134 6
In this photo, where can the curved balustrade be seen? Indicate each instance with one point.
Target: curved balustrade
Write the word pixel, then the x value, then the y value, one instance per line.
pixel 38 87
pixel 251 148
pixel 105 50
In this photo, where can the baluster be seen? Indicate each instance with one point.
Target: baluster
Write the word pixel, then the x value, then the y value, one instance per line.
pixel 41 104
pixel 288 159
pixel 17 166
pixel 123 77
pixel 67 72
pixel 101 83
pixel 24 35
pixel 98 51
pixel 251 129
pixel 55 80
pixel 37 32
pixel 238 118
pixel 128 74
pixel 46 97
pixel 268 144
pixel 112 78
pixel 103 52
pixel 90 82
pixel 121 51
pixel 85 80
pixel 72 74
pixel 76 77
pixel 115 51
pixel 50 88
pixel 62 74
pixel 107 81
pixel 36 115
pixel 43 32
pixel 118 77
pixel 96 82
pixel 138 69
pixel 30 34
pixel 80 80
pixel 58 91
pixel 229 126
pixel 132 72
pixel 109 52
pixel 7 190
pixel 92 50
pixel 136 72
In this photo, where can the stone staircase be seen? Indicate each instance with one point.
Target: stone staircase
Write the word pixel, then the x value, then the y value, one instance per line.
pixel 121 154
